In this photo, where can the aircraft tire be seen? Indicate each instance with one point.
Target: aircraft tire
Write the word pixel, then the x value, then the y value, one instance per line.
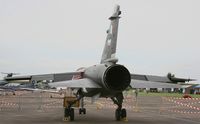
pixel 84 111
pixel 67 112
pixel 71 114
pixel 117 114
pixel 80 111
pixel 123 113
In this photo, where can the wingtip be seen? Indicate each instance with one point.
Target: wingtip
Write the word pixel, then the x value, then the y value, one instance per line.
pixel 192 79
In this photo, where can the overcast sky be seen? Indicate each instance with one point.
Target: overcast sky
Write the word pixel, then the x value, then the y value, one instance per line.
pixel 47 36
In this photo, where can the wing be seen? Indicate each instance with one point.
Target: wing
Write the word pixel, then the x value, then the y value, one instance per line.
pixel 81 83
pixel 165 79
pixel 152 84
pixel 59 80
pixel 54 76
pixel 149 78
pixel 152 81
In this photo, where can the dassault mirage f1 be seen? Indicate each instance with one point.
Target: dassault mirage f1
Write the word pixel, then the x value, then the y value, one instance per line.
pixel 106 79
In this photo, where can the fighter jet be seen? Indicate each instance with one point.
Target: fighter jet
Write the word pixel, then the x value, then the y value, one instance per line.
pixel 106 79
pixel 17 85
pixel 9 74
pixel 11 86
pixel 5 82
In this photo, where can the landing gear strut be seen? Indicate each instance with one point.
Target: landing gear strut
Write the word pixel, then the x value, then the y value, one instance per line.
pixel 82 110
pixel 119 112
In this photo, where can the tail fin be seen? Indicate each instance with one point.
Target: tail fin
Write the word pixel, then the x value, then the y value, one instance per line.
pixel 111 39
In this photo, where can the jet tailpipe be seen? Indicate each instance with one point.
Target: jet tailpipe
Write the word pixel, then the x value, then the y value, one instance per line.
pixel 117 78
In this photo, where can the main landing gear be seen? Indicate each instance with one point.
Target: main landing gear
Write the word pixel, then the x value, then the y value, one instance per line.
pixel 69 111
pixel 120 114
pixel 70 102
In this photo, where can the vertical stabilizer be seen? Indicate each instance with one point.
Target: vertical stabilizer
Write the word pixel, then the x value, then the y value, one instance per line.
pixel 111 39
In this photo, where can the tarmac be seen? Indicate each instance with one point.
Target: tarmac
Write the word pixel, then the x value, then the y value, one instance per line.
pixel 39 108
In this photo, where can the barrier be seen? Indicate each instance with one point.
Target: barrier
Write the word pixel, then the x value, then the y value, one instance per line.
pixel 181 105
pixel 30 101
pixel 7 105
pixel 53 104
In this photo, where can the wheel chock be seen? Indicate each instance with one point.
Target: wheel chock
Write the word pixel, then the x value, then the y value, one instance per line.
pixel 124 119
pixel 99 106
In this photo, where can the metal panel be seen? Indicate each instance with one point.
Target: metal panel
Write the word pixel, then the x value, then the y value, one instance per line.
pixel 43 77
pixel 138 77
pixel 158 78
pixel 62 77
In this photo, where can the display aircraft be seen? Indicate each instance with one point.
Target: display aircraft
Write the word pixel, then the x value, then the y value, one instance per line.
pixel 33 87
pixel 9 74
pixel 4 82
pixel 108 78
pixel 19 85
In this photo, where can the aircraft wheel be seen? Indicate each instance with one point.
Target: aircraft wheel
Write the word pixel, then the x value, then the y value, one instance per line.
pixel 82 110
pixel 123 113
pixel 117 114
pixel 67 112
pixel 71 114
